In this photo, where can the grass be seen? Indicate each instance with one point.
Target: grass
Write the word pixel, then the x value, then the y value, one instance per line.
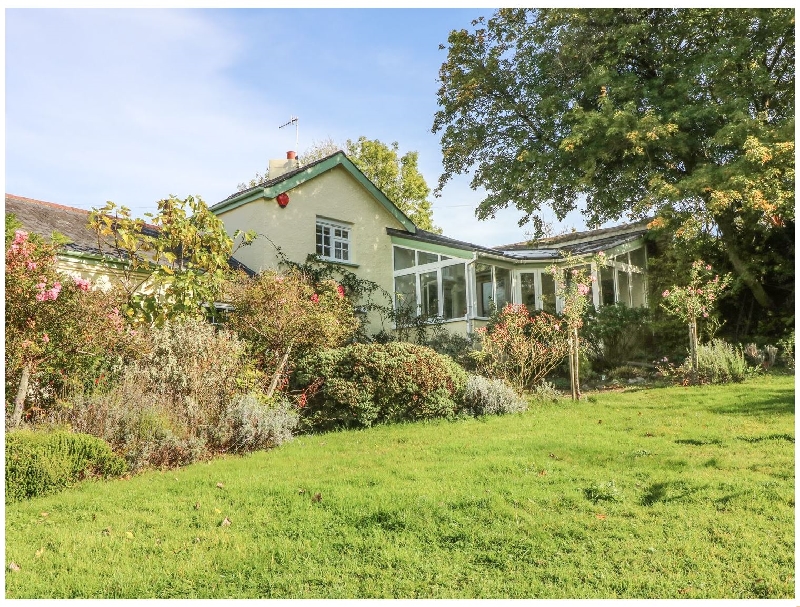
pixel 670 492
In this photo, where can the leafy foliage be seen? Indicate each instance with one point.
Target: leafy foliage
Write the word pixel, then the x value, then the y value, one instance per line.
pixel 614 334
pixel 38 463
pixel 284 315
pixel 520 348
pixel 639 111
pixel 172 267
pixel 364 384
pixel 59 332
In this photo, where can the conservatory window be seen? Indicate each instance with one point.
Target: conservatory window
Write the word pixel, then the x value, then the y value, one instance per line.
pixel 430 284
pixel 492 284
pixel 607 286
pixel 548 293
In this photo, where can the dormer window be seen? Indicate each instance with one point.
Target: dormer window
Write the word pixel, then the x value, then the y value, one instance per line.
pixel 333 240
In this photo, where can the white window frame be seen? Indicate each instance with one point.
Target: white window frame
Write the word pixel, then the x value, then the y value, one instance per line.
pixel 332 226
pixel 418 269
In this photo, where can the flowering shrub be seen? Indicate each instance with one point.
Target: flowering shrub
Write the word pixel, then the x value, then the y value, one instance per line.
pixel 59 332
pixel 614 334
pixel 695 300
pixel 364 384
pixel 284 315
pixel 521 348
pixel 574 285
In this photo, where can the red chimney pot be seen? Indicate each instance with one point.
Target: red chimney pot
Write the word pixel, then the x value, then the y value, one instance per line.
pixel 291 155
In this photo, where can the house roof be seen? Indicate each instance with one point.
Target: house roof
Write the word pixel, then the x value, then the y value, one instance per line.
pixel 45 218
pixel 291 179
pixel 545 249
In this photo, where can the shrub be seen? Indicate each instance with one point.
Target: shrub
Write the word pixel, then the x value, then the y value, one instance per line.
pixel 545 392
pixel 521 348
pixel 484 396
pixel 250 424
pixel 786 346
pixel 364 384
pixel 615 334
pixel 457 347
pixel 38 463
pixel 718 362
pixel 284 315
pixel 175 402
pixel 627 372
pixel 59 333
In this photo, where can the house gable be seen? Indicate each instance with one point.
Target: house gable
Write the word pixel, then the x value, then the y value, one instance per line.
pixel 288 181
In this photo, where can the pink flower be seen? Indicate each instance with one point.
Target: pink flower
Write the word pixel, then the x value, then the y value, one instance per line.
pixel 574 272
pixel 30 265
pixel 20 236
pixel 46 338
pixel 556 327
pixel 83 284
pixel 315 298
pixel 705 314
pixel 665 293
pixel 583 289
pixel 340 291
pixel 699 291
pixel 708 268
pixel 42 296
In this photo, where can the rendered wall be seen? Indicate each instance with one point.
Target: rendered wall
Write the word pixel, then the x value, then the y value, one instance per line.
pixel 333 195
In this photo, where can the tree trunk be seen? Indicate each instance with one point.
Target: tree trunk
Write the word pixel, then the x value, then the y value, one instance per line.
pixel 574 362
pixel 19 400
pixel 693 349
pixel 278 372
pixel 727 233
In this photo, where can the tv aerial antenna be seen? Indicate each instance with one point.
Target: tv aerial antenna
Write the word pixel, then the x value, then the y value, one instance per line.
pixel 293 120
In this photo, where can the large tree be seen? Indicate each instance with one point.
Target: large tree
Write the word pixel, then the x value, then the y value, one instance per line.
pixel 681 113
pixel 396 176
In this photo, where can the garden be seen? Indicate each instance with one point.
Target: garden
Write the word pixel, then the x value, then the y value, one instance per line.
pixel 596 453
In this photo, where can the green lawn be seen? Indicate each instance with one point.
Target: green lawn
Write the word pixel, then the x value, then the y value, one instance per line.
pixel 671 492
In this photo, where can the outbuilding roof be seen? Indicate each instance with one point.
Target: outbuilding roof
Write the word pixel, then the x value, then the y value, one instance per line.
pixel 45 218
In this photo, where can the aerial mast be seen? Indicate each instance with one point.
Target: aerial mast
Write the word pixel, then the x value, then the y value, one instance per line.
pixel 293 120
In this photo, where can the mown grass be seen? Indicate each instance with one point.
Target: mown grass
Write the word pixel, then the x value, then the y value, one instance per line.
pixel 671 492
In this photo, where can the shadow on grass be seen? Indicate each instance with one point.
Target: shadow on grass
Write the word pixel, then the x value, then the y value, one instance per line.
pixel 667 492
pixel 775 402
pixel 757 439
pixel 698 442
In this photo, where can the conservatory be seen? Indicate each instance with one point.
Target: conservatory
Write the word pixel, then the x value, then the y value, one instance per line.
pixel 461 282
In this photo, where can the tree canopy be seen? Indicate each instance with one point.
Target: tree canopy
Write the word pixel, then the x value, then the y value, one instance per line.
pixel 683 114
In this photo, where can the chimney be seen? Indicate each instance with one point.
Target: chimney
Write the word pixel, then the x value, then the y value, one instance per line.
pixel 279 167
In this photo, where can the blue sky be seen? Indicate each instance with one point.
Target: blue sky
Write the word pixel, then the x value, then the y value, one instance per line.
pixel 134 105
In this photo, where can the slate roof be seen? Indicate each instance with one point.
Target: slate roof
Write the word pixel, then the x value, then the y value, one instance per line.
pixel 545 249
pixel 44 218
pixel 276 180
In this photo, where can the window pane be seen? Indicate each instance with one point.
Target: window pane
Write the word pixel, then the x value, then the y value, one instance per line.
pixel 345 252
pixel 429 293
pixel 637 289
pixel 427 257
pixel 624 292
pixel 483 284
pixel 528 280
pixel 548 293
pixel 405 293
pixel 607 286
pixel 454 285
pixel 502 284
pixel 403 258
pixel 638 258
